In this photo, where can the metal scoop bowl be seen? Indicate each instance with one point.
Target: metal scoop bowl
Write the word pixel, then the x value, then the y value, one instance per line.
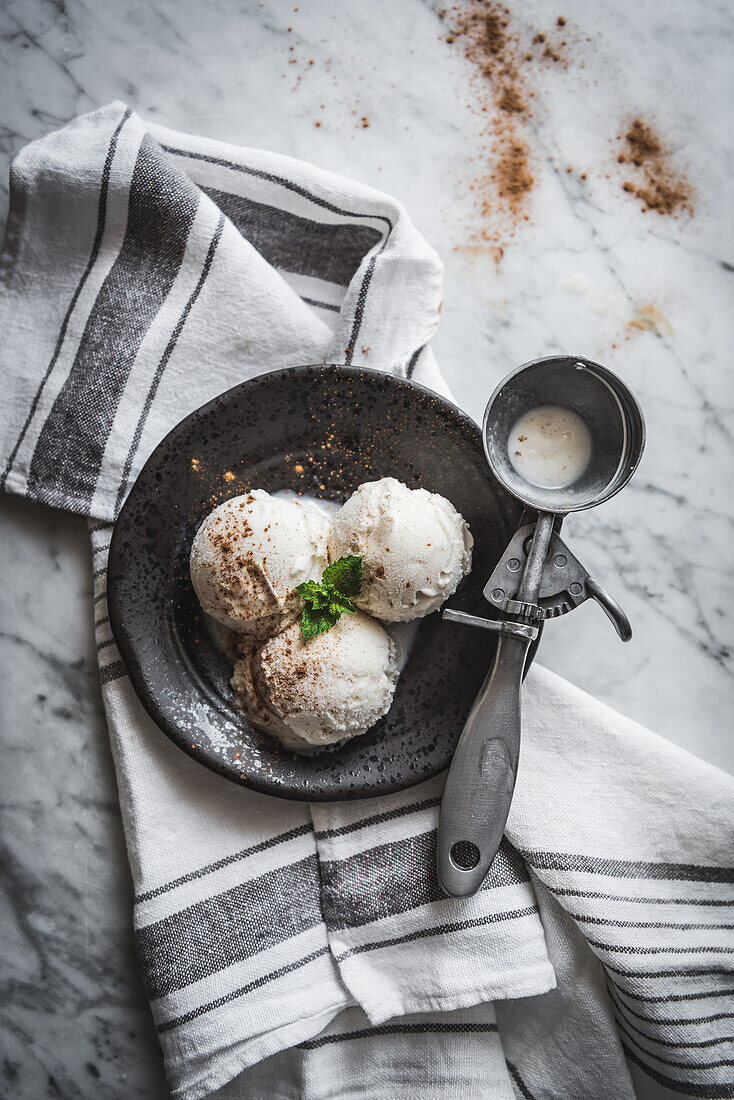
pixel 537 578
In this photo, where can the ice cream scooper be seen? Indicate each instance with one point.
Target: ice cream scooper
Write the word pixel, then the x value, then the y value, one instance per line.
pixel 563 402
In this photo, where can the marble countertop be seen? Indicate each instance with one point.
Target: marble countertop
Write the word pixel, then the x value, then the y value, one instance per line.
pixel 376 92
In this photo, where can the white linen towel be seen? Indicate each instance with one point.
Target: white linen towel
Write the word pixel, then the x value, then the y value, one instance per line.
pixel 306 951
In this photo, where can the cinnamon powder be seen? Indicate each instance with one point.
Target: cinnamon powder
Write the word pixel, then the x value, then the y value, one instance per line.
pixel 503 94
pixel 656 183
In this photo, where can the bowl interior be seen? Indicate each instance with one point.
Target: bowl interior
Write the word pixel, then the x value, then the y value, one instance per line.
pixel 322 430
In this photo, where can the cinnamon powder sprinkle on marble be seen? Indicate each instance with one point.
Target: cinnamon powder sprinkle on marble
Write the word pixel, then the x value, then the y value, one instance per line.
pixel 655 181
pixel 503 94
pixel 507 61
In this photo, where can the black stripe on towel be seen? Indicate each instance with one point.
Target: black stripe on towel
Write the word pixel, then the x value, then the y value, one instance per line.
pixel 297 189
pixel 96 245
pixel 695 1067
pixel 173 340
pixel 300 245
pixel 161 210
pixel 521 1086
pixel 667 1021
pixel 623 868
pixel 302 830
pixel 375 819
pixel 320 305
pixel 356 891
pixel 633 949
pixel 674 998
pixel 624 1011
pixel 361 303
pixel 113 671
pixel 241 992
pixel 610 922
pixel 211 934
pixel 270 177
pixel 440 930
pixel 640 899
pixel 723 1091
pixel 399 1029
pixel 413 361
pixel 642 975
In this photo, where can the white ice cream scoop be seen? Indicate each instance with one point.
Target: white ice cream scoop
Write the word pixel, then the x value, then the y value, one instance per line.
pixel 331 687
pixel 414 545
pixel 250 554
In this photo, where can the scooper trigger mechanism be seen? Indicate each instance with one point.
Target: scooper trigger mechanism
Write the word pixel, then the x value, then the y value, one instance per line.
pixel 565 584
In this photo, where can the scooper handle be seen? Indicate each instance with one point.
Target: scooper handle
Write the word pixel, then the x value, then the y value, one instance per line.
pixel 479 786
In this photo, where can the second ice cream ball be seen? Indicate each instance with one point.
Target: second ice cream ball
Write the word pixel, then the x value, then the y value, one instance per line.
pixel 415 548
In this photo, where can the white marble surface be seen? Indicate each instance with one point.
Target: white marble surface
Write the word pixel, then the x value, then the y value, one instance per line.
pixel 75 1023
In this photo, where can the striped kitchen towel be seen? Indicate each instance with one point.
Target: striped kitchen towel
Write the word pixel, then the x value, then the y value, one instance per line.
pixel 296 951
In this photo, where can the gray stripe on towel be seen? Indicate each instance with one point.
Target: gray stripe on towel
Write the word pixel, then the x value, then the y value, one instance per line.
pixel 153 388
pixel 300 245
pixel 96 245
pixel 624 868
pixel 326 205
pixel 162 207
pixel 281 181
pixel 356 891
pixel 207 937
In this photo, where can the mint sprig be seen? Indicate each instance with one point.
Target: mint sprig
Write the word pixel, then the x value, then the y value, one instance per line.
pixel 328 599
pixel 344 576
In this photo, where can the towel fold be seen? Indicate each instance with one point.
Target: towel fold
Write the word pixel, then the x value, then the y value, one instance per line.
pixel 306 951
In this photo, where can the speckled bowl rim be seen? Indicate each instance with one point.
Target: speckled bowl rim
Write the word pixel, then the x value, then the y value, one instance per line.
pixel 127 647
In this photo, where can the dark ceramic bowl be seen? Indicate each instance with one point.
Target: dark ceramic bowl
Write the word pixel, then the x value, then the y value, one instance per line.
pixel 322 430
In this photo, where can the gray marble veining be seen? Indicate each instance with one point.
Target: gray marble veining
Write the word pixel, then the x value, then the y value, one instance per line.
pixel 586 264
pixel 74 1018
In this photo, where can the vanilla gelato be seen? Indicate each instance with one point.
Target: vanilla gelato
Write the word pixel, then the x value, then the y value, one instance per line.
pixel 415 548
pixel 248 557
pixel 328 688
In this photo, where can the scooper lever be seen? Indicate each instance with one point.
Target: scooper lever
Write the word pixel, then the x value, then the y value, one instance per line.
pixel 565 584
pixel 481 779
pixel 611 608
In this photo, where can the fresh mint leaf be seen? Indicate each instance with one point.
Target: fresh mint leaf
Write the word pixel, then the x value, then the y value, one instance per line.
pixel 340 604
pixel 344 575
pixel 326 600
pixel 316 621
pixel 314 593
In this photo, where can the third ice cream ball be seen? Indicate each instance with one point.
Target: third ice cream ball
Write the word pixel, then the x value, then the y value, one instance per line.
pixel 312 693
